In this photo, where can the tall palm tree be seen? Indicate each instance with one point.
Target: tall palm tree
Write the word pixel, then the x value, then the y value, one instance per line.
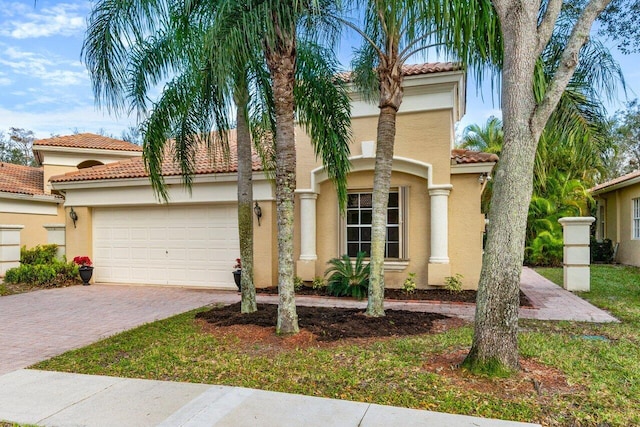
pixel 393 33
pixel 206 50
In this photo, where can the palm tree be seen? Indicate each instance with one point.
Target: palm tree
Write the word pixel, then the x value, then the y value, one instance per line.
pixel 211 52
pixel 487 138
pixel 393 33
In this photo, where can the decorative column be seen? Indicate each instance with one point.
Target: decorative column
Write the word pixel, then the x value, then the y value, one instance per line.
pixel 306 264
pixel 439 267
pixel 9 247
pixel 56 234
pixel 576 232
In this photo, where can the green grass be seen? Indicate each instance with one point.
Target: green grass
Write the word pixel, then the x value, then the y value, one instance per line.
pixel 605 374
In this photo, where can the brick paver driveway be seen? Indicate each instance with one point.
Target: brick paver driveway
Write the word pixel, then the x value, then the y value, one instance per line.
pixel 38 325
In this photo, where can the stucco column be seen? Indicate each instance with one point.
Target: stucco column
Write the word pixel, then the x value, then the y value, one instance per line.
pixel 576 232
pixel 9 247
pixel 439 267
pixel 306 265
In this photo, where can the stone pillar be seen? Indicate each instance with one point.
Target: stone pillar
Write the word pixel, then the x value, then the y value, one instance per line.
pixel 439 267
pixel 56 234
pixel 577 273
pixel 9 247
pixel 306 264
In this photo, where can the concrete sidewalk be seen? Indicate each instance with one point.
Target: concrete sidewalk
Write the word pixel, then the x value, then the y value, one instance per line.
pixel 62 399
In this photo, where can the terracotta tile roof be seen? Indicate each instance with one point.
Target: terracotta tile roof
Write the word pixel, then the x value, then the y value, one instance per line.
pixel 619 180
pixel 462 156
pixel 415 69
pixel 88 140
pixel 21 179
pixel 205 163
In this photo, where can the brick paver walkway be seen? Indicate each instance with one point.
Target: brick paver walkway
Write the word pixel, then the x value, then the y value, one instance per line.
pixel 38 325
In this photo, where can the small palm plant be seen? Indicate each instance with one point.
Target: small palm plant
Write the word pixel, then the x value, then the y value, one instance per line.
pixel 348 278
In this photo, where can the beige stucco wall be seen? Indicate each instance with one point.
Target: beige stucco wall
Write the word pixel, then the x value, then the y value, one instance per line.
pixel 619 225
pixel 466 224
pixel 53 170
pixel 33 233
pixel 80 238
pixel 265 247
pixel 423 136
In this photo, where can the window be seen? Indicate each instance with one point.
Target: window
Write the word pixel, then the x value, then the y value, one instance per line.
pixel 358 224
pixel 600 230
pixel 636 218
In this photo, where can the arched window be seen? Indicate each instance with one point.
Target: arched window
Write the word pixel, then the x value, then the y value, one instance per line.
pixel 89 163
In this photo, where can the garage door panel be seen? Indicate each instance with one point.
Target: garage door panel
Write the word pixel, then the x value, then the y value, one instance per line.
pixel 175 245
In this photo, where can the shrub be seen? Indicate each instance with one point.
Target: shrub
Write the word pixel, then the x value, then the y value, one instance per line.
pixel 409 285
pixel 41 254
pixel 546 250
pixel 348 278
pixel 298 283
pixel 40 267
pixel 453 283
pixel 319 283
pixel 601 251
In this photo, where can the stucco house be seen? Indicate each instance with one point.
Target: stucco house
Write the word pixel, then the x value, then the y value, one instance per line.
pixel 618 215
pixel 435 224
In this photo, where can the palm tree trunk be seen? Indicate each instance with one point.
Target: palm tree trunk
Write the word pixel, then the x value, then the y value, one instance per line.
pixel 282 66
pixel 245 200
pixel 391 93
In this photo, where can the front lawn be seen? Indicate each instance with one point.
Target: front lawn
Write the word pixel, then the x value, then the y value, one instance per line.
pixel 574 373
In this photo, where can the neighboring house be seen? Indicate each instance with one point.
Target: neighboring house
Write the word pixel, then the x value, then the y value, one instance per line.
pixel 30 214
pixel 618 215
pixel 435 224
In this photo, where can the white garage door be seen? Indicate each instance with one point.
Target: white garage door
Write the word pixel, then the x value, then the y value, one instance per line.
pixel 166 245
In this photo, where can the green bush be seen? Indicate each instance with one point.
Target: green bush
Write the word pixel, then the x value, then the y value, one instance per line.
pixel 40 267
pixel 453 283
pixel 347 278
pixel 546 250
pixel 602 251
pixel 41 254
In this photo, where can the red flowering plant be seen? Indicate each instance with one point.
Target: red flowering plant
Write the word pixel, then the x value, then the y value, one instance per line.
pixel 83 261
pixel 238 265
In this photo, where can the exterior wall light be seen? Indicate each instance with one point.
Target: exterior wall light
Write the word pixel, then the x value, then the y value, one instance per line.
pixel 74 217
pixel 258 211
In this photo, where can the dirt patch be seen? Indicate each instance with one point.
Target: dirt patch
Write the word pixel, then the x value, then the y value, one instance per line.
pixel 21 288
pixel 327 324
pixel 534 378
pixel 443 295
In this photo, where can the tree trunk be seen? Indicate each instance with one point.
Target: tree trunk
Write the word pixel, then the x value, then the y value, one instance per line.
pixel 495 340
pixel 282 66
pixel 245 200
pixel 381 183
pixel 390 77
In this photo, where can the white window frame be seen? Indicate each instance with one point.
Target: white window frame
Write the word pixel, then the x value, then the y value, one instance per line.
pixel 403 225
pixel 635 218
pixel 601 225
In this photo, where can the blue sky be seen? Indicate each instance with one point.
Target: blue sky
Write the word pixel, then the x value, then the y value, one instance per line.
pixel 44 87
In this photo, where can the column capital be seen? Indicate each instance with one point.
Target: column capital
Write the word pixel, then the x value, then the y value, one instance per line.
pixel 307 194
pixel 439 191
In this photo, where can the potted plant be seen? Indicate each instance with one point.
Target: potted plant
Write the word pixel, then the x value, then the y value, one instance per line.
pixel 85 269
pixel 237 273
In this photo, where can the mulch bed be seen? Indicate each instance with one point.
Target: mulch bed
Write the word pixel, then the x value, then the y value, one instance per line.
pixel 329 323
pixel 442 295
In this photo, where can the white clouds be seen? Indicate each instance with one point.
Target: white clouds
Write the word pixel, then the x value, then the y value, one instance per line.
pixel 63 121
pixel 63 19
pixel 51 70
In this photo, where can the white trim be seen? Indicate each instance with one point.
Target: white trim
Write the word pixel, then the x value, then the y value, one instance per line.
pixel 360 163
pixel 635 218
pixel 96 151
pixel 202 192
pixel 472 168
pixel 42 198
pixel 30 206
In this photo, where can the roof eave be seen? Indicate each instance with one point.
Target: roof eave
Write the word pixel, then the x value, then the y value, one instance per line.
pixel 45 198
pixel 616 186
